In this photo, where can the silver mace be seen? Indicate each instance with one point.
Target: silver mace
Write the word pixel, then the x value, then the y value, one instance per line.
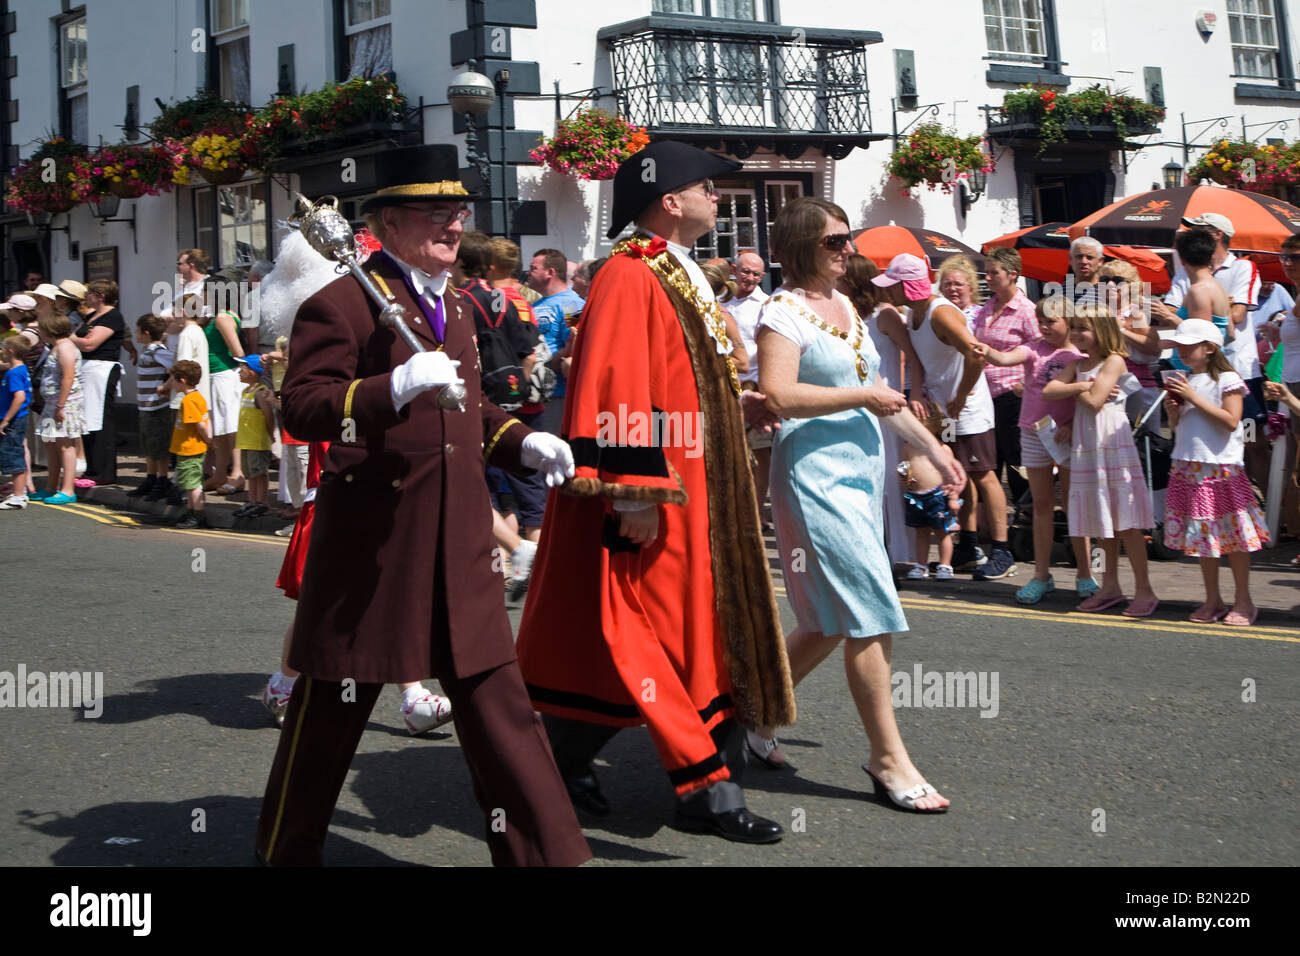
pixel 326 231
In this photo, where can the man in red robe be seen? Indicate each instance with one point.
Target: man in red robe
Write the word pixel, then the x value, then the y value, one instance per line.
pixel 651 599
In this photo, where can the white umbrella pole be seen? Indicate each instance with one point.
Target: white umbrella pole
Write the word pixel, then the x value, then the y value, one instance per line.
pixel 1273 500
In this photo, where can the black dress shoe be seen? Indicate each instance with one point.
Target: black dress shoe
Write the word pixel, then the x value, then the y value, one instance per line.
pixel 585 793
pixel 740 826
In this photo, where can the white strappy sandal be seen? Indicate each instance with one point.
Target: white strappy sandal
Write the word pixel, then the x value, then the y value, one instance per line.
pixel 905 798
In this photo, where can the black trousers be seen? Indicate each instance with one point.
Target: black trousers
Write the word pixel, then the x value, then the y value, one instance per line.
pixel 101 446
pixel 575 744
pixel 505 749
pixel 1006 418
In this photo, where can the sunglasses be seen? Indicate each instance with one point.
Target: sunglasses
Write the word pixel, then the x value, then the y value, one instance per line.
pixel 836 242
pixel 1286 260
pixel 440 215
pixel 707 186
pixel 1113 280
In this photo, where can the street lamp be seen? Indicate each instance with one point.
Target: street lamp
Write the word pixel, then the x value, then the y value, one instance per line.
pixel 473 94
pixel 1173 175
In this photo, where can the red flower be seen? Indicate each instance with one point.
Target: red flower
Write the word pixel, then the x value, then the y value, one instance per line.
pixel 643 249
pixel 367 244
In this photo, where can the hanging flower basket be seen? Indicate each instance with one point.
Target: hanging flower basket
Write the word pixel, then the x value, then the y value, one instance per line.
pixel 50 181
pixel 127 171
pixel 938 158
pixel 222 177
pixel 1243 165
pixel 590 145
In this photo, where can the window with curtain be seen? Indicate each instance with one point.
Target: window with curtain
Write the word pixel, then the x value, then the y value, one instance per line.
pixel 1252 28
pixel 230 34
pixel 369 28
pixel 1013 29
pixel 72 80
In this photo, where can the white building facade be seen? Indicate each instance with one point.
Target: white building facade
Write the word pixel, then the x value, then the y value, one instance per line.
pixel 806 96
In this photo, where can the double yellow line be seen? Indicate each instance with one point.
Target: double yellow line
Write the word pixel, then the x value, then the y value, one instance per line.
pixel 116 519
pixel 1286 635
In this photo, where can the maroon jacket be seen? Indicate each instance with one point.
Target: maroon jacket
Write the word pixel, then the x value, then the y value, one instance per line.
pixel 399 582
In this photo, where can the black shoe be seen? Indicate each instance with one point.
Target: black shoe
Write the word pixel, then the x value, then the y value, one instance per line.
pixel 739 826
pixel 160 490
pixel 144 487
pixel 967 557
pixel 585 793
pixel 1000 565
pixel 191 520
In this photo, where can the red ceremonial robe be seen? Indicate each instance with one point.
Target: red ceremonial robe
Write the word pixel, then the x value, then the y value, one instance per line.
pixel 622 635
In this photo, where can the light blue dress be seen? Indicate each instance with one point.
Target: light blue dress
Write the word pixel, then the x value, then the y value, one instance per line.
pixel 827 487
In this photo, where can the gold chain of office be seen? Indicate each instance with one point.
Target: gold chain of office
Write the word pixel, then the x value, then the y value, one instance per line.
pixel 825 326
pixel 670 270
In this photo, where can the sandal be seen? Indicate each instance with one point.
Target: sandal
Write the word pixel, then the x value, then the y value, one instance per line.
pixel 1142 610
pixel 1218 615
pixel 230 488
pixel 1086 587
pixel 766 749
pixel 905 799
pixel 1033 592
pixel 1103 606
pixel 1238 620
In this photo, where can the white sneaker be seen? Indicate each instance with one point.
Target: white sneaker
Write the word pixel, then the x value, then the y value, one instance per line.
pixel 943 572
pixel 276 701
pixel 81 468
pixel 521 566
pixel 426 713
pixel 14 503
pixel 918 573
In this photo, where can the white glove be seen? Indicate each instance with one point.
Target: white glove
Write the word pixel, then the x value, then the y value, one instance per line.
pixel 421 372
pixel 549 455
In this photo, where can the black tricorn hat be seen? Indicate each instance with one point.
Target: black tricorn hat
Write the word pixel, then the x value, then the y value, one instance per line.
pixel 656 171
pixel 417 174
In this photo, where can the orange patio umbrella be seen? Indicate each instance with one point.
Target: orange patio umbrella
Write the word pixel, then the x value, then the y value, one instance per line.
pixel 1045 255
pixel 881 243
pixel 1153 217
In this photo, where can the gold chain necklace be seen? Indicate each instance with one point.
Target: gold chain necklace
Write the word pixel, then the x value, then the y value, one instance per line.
pixel 859 362
pixel 670 270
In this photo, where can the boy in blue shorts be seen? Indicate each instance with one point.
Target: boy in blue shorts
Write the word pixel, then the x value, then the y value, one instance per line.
pixel 927 509
pixel 15 399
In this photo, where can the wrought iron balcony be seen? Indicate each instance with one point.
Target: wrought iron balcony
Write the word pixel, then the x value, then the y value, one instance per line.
pixel 745 83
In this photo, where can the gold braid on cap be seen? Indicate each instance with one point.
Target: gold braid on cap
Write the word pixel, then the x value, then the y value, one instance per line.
pixel 447 187
pixel 667 268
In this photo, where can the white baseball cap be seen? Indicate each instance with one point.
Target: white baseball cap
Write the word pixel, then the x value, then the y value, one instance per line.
pixel 1195 331
pixel 1214 221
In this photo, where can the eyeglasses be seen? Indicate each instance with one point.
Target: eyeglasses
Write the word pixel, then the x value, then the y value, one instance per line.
pixel 707 186
pixel 1113 280
pixel 440 215
pixel 1286 260
pixel 836 242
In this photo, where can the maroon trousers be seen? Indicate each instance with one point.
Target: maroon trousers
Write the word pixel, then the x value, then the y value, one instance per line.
pixel 505 748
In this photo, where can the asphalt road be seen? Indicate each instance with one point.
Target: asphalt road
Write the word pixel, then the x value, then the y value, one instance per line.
pixel 1114 743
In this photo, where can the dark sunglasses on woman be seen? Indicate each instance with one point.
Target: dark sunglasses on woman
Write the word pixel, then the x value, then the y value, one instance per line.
pixel 836 242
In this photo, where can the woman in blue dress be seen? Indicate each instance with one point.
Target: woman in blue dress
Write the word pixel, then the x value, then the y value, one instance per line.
pixel 819 371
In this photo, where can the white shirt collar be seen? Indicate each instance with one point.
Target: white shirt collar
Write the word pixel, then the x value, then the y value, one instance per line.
pixel 687 262
pixel 422 281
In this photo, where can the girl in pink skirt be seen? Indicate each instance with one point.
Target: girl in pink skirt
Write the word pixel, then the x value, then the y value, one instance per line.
pixel 1108 498
pixel 1210 509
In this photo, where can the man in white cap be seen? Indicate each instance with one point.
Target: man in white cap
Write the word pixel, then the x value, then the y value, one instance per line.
pixel 955 381
pixel 1240 279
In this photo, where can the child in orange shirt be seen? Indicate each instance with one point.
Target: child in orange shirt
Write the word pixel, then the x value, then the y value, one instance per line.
pixel 190 439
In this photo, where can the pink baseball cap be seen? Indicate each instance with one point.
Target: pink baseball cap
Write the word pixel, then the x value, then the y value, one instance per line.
pixel 19 301
pixel 912 272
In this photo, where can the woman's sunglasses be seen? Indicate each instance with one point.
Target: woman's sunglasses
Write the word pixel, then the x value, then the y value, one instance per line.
pixel 837 242
pixel 1286 260
pixel 1113 280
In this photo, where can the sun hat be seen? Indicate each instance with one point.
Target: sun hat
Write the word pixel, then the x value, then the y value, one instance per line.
pixel 73 289
pixel 912 272
pixel 49 291
pixel 1193 332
